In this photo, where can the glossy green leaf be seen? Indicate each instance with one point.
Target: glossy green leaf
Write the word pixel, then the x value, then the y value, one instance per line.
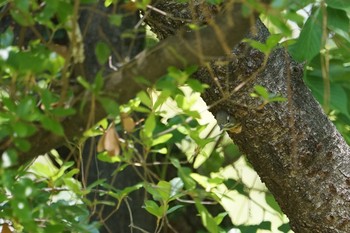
pixel 308 44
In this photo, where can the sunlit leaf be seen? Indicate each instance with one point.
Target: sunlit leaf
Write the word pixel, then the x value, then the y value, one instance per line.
pixel 162 139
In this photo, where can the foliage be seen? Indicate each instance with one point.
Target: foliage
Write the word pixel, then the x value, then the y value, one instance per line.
pixel 35 94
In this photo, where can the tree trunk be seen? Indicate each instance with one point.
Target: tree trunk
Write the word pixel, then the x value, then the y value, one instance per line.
pixel 293 146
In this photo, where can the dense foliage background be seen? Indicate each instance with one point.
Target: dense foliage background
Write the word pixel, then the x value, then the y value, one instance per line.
pixel 165 134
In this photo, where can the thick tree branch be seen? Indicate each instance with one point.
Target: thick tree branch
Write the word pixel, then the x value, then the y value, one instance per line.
pixel 179 50
pixel 293 146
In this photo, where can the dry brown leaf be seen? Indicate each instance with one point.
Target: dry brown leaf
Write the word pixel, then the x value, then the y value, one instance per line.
pixel 109 142
pixel 127 122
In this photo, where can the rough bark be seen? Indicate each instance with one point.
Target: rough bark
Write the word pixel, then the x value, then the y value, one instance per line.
pixel 293 146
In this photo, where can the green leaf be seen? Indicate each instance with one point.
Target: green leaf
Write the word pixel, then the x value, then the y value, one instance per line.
pixel 185 174
pixel 162 151
pixel 162 139
pixel 285 228
pixel 164 189
pixel 339 4
pixel 25 108
pixel 145 99
pixel 98 83
pixel 22 144
pixel 62 170
pixel 73 184
pixel 22 5
pixel 266 48
pixel 265 225
pixel 208 221
pixel 150 125
pixel 272 41
pixel 42 169
pixel 116 19
pixel 174 208
pixel 102 52
pixel 338 94
pixel 52 125
pixel 22 129
pixel 45 15
pixel 64 10
pixel 109 105
pixel 105 157
pixel 196 85
pixel 218 219
pixel 153 208
pixel 84 83
pixel 261 91
pixel 119 195
pixel 308 44
pixel 176 186
pixel 270 200
pixel 20 12
pixel 6 38
pixel 337 20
